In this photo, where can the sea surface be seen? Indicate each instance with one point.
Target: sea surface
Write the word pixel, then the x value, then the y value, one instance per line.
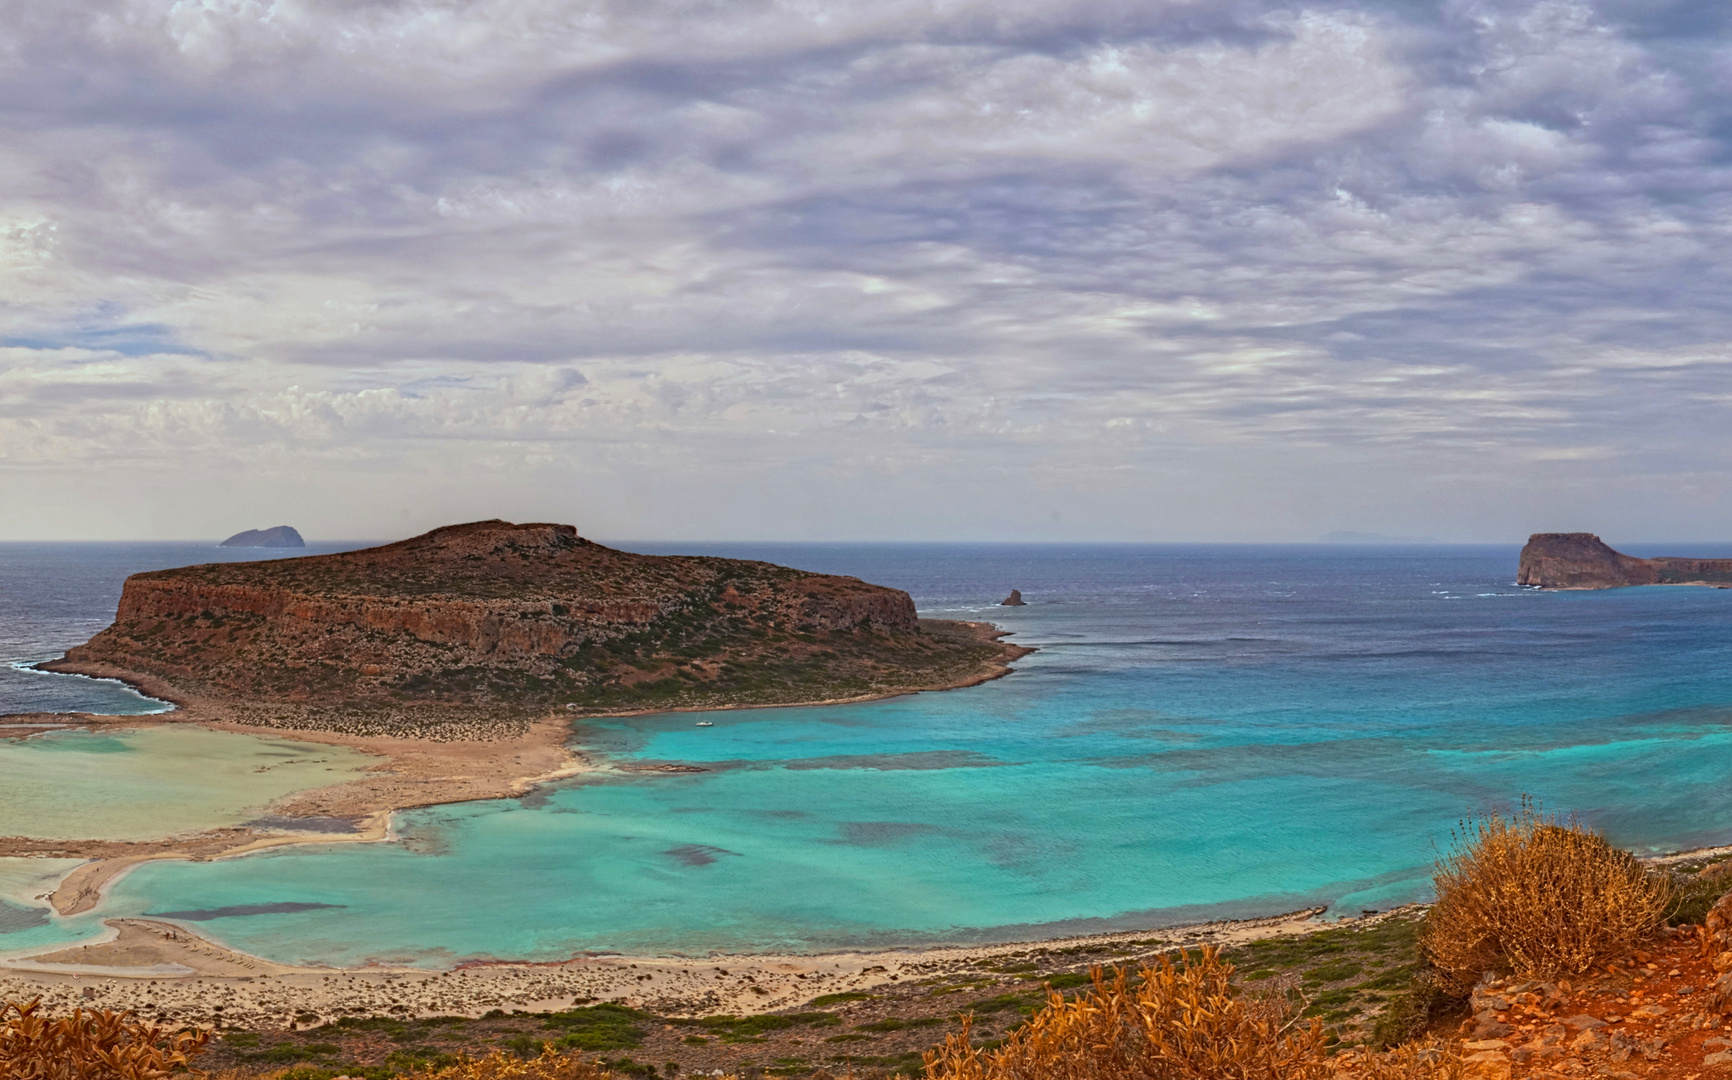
pixel 1205 731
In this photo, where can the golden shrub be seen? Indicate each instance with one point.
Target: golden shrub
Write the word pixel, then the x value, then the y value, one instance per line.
pixel 551 1065
pixel 1431 1060
pixel 1539 898
pixel 1180 1021
pixel 95 1045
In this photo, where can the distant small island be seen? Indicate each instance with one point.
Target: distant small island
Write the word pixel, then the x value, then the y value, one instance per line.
pixel 281 536
pixel 1584 561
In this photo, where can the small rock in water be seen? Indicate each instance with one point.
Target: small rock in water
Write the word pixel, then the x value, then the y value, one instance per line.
pixel 1013 600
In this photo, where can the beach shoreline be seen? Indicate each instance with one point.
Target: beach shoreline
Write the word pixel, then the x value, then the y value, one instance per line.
pixel 167 971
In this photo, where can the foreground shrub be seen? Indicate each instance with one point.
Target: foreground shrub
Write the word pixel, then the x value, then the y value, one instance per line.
pixel 1539 898
pixel 1179 1022
pixel 96 1045
pixel 1429 1060
pixel 551 1065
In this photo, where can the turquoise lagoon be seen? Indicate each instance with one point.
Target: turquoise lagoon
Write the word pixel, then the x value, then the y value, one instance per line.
pixel 1206 732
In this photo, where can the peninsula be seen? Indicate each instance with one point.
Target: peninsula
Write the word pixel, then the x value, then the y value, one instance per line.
pixel 492 623
pixel 460 658
pixel 1584 561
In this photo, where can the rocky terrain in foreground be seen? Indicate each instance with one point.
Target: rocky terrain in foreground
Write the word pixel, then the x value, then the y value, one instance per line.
pixel 1584 561
pixel 1654 1015
pixel 518 619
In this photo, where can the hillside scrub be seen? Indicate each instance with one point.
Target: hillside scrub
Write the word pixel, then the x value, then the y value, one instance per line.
pixel 93 1045
pixel 1178 1021
pixel 550 1065
pixel 1428 1059
pixel 1537 897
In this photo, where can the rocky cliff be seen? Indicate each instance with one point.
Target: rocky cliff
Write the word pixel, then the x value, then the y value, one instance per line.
pixel 1584 561
pixel 520 617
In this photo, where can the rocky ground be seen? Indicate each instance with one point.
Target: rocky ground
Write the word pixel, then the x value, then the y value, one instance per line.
pixel 1654 1015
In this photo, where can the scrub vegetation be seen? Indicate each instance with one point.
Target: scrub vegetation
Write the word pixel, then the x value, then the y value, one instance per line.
pixel 1539 898
pixel 88 1045
pixel 511 621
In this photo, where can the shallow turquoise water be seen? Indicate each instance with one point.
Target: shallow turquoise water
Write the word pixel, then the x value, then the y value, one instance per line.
pixel 159 781
pixel 1222 731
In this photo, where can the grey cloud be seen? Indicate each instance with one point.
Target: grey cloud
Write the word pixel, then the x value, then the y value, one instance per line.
pixel 1201 250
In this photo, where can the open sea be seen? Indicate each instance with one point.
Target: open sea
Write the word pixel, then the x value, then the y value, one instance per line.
pixel 1206 731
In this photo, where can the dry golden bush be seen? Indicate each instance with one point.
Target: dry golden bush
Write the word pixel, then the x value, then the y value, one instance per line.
pixel 1181 1021
pixel 1539 898
pixel 95 1045
pixel 1430 1060
pixel 551 1065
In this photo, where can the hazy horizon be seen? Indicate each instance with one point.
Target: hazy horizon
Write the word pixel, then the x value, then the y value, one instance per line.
pixel 771 541
pixel 1090 270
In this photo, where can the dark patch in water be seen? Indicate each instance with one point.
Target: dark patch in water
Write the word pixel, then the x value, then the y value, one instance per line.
pixel 696 854
pixel 881 833
pixel 333 825
pixel 14 918
pixel 535 799
pixel 240 910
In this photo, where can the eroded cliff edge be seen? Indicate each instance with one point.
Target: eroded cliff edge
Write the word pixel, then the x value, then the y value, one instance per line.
pixel 1584 561
pixel 509 621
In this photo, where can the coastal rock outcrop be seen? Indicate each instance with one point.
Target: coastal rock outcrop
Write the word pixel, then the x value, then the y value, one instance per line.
pixel 1584 561
pixel 279 536
pixel 1013 600
pixel 519 616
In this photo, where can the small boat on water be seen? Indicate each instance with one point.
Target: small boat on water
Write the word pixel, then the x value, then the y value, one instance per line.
pixel 705 723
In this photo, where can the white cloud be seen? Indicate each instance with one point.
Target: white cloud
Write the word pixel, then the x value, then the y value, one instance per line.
pixel 749 258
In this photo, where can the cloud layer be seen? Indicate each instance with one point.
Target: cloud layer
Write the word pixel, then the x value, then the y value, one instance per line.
pixel 798 268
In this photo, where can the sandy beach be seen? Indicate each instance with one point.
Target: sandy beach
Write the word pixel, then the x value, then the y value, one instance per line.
pixel 161 969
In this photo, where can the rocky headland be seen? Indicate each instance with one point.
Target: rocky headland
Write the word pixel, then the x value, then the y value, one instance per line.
pixel 496 624
pixel 1584 561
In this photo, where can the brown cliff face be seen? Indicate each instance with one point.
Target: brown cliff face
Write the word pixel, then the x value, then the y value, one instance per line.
pixel 1584 561
pixel 524 616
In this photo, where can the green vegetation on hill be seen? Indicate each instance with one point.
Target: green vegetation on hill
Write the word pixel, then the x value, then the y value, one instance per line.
pixel 518 619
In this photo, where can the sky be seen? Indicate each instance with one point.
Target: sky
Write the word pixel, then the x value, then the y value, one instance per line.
pixel 900 270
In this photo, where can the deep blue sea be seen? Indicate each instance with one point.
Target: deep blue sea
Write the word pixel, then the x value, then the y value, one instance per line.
pixel 1204 731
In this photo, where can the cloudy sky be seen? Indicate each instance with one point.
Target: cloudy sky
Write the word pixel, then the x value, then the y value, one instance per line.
pixel 917 269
